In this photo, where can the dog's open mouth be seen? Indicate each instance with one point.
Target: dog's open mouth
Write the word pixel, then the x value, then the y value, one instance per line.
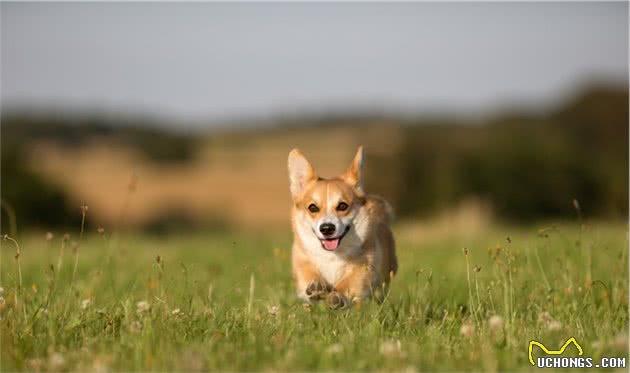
pixel 333 243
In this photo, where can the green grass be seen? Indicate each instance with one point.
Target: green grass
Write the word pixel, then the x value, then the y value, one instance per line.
pixel 226 302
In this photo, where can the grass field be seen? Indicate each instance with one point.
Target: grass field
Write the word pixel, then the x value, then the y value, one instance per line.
pixel 225 302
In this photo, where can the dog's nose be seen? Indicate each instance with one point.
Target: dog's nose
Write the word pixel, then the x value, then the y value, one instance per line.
pixel 327 229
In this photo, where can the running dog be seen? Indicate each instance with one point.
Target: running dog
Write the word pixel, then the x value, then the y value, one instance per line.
pixel 343 247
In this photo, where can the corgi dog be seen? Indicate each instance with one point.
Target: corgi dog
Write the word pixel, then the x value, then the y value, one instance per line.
pixel 343 247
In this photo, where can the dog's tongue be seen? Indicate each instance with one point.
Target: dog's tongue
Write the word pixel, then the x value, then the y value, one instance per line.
pixel 331 245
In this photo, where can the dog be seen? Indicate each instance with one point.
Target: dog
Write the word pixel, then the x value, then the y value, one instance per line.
pixel 343 247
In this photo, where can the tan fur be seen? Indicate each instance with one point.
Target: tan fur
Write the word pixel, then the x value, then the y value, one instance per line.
pixel 365 260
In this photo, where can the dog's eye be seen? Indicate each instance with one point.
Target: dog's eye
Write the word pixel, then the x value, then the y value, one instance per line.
pixel 342 206
pixel 312 208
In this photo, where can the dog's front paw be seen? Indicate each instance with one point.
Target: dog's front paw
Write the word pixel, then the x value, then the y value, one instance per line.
pixel 336 300
pixel 317 290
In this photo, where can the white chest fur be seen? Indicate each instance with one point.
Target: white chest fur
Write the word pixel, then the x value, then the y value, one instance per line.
pixel 330 266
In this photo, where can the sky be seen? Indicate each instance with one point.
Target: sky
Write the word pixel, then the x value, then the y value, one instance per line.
pixel 205 62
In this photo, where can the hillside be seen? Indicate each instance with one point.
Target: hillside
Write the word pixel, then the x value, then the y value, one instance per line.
pixel 518 167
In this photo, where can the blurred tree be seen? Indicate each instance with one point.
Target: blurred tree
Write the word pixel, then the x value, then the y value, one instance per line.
pixel 526 167
pixel 34 200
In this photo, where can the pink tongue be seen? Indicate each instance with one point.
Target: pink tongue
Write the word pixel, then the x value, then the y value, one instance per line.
pixel 331 244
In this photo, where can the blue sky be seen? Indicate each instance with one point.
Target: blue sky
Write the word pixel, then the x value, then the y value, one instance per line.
pixel 203 62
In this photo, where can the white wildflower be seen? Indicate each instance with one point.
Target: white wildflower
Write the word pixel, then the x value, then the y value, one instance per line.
pixel 495 323
pixel 335 348
pixel 143 306
pixel 467 330
pixel 273 310
pixel 85 303
pixel 544 317
pixel 391 349
pixel 56 362
pixel 554 325
pixel 410 369
pixel 135 327
pixel 35 365
pixel 100 366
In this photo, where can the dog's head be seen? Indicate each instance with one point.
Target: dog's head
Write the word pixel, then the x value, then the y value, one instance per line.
pixel 326 208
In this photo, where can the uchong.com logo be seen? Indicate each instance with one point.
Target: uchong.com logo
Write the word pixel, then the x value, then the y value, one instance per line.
pixel 553 358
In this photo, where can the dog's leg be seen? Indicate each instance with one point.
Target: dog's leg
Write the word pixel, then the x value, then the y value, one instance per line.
pixel 353 286
pixel 317 289
pixel 309 283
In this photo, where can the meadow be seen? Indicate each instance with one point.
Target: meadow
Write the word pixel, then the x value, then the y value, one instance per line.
pixel 462 301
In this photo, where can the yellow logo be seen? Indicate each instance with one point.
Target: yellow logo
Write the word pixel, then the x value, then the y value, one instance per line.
pixel 553 352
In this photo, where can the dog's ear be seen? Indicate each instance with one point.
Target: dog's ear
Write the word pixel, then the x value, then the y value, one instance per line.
pixel 352 175
pixel 300 172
